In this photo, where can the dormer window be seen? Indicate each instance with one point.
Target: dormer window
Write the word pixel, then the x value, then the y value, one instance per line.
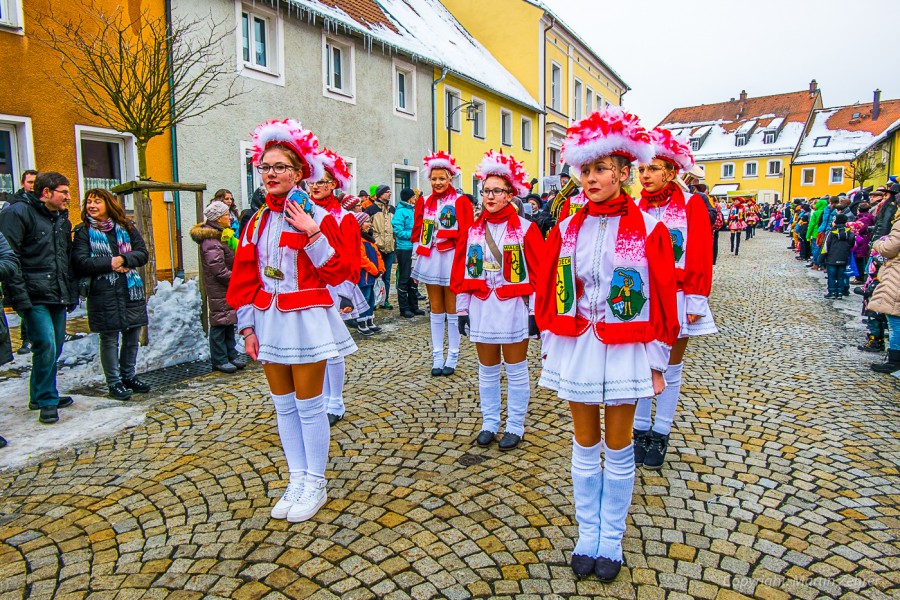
pixel 822 141
pixel 699 136
pixel 769 137
pixel 695 144
pixel 740 139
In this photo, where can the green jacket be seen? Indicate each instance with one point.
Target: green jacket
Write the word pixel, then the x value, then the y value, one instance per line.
pixel 815 219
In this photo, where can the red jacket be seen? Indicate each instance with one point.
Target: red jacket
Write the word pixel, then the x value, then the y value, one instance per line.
pixel 445 239
pixel 350 239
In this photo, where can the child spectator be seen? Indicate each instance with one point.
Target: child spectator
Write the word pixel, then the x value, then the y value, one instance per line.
pixel 838 246
pixel 372 268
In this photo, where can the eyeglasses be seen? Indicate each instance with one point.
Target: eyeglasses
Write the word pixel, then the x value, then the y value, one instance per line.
pixel 494 192
pixel 321 182
pixel 66 193
pixel 278 169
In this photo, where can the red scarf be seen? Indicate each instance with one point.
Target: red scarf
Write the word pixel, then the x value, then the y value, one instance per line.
pixel 500 216
pixel 330 204
pixel 275 203
pixel 432 200
pixel 616 207
pixel 660 198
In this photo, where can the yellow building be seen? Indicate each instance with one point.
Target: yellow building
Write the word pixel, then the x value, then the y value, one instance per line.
pixel 558 67
pixel 41 129
pixel 747 144
pixel 838 136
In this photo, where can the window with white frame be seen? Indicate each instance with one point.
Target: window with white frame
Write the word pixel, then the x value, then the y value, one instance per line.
pixel 505 127
pixel 555 87
pixel 578 103
pixel 836 176
pixel 728 171
pixel 11 13
pixel 339 70
pixel 404 88
pixel 452 118
pixel 16 151
pixel 773 168
pixel 808 176
pixel 740 139
pixel 751 169
pixel 553 157
pixel 769 137
pixel 251 180
pixel 106 158
pixel 476 186
pixel 526 134
pixel 478 123
pixel 589 101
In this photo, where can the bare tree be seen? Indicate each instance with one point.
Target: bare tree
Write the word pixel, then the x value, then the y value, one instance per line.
pixel 864 167
pixel 138 73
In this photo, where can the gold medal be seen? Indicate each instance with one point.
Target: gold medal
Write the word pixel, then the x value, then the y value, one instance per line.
pixel 273 273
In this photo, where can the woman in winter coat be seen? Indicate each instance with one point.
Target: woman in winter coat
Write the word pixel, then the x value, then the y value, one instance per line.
pixel 217 245
pixel 886 297
pixel 9 264
pixel 227 198
pixel 402 223
pixel 108 249
pixel 494 276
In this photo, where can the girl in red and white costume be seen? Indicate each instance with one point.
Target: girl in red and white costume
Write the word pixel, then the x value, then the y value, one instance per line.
pixel 437 223
pixel 495 271
pixel 288 255
pixel 688 223
pixel 346 296
pixel 606 307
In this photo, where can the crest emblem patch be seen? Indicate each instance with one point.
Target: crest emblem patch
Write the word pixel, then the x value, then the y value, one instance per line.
pixel 626 294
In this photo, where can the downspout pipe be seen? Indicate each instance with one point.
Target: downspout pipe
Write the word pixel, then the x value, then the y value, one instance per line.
pixel 434 85
pixel 174 140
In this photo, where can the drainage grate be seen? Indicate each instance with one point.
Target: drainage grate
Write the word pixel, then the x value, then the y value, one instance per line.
pixel 470 460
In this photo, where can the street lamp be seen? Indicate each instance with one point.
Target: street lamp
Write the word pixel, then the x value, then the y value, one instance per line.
pixel 472 111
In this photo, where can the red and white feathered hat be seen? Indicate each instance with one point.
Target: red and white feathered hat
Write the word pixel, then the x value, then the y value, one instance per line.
pixel 335 165
pixel 505 166
pixel 441 160
pixel 290 133
pixel 671 149
pixel 606 132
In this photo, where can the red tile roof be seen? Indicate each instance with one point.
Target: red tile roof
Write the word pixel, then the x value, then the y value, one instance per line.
pixel 792 107
pixel 844 119
pixel 365 12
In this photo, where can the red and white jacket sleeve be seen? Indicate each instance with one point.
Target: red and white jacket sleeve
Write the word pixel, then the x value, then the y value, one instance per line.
pixel 698 258
pixel 351 241
pixel 663 298
pixel 534 257
pixel 418 212
pixel 457 272
pixel 327 253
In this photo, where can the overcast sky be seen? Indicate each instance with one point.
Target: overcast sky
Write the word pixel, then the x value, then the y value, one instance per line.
pixel 713 49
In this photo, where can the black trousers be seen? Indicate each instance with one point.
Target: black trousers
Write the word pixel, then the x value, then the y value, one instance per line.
pixel 406 295
pixel 715 245
pixel 736 245
pixel 221 344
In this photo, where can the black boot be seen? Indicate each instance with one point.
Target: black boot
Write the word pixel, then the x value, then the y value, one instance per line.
pixel 873 344
pixel 892 364
pixel 657 446
pixel 641 444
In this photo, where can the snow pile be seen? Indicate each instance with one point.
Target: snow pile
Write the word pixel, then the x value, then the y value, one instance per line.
pixel 176 334
pixel 81 351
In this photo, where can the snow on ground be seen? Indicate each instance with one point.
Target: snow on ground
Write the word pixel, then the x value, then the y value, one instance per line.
pixel 175 336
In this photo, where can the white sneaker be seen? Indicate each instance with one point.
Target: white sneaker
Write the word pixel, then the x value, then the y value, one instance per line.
pixel 290 497
pixel 313 498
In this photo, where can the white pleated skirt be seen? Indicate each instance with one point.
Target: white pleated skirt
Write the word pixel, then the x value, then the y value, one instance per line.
pixel 496 321
pixel 584 369
pixel 705 326
pixel 435 268
pixel 351 291
pixel 300 337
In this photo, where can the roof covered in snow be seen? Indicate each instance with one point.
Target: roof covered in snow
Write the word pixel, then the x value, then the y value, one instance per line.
pixel 716 125
pixel 841 134
pixel 424 30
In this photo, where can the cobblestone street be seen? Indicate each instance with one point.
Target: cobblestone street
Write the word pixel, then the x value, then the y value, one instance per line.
pixel 782 478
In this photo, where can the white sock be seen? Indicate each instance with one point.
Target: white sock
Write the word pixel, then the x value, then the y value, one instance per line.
pixel 618 485
pixel 289 430
pixel 667 402
pixel 437 340
pixel 587 488
pixel 335 369
pixel 452 338
pixel 316 435
pixel 489 393
pixel 642 414
pixel 518 393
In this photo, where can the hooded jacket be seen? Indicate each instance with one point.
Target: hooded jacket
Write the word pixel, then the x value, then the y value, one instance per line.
pixel 402 224
pixel 816 219
pixel 886 297
pixel 216 262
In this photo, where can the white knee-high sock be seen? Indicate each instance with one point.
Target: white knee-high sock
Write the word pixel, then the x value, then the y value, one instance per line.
pixel 437 339
pixel 618 485
pixel 452 340
pixel 289 430
pixel 316 435
pixel 335 369
pixel 489 393
pixel 667 402
pixel 518 393
pixel 642 412
pixel 587 488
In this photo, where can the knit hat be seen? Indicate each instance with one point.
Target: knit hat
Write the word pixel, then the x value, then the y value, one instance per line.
pixel 505 166
pixel 381 189
pixel 840 220
pixel 406 194
pixel 361 218
pixel 290 133
pixel 611 131
pixel 441 160
pixel 349 202
pixel 363 193
pixel 335 165
pixel 214 210
pixel 671 149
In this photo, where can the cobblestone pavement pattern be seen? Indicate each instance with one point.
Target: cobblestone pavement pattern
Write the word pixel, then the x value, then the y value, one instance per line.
pixel 782 480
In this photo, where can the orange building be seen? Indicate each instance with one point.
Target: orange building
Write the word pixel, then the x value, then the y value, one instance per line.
pixel 40 127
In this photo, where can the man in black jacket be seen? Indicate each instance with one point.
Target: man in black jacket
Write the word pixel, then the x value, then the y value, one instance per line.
pixel 27 181
pixel 884 219
pixel 39 232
